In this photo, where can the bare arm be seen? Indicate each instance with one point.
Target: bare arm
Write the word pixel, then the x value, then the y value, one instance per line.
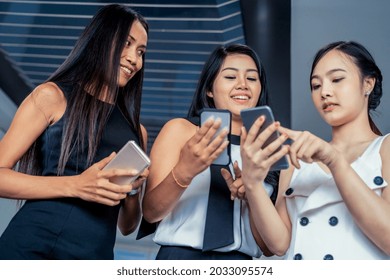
pixel 271 231
pixel 183 150
pixel 44 106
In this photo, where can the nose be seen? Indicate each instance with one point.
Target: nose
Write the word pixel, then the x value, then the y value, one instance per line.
pixel 326 91
pixel 131 57
pixel 241 83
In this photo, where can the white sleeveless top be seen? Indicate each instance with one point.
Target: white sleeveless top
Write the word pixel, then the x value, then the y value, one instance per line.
pixel 184 226
pixel 322 226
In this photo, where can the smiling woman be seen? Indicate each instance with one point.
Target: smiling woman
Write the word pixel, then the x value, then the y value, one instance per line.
pixel 182 173
pixel 88 109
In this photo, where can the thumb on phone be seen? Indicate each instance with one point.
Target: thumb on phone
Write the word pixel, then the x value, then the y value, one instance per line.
pixel 102 163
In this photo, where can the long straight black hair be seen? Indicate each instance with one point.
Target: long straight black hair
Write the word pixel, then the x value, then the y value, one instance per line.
pixel 364 61
pixel 92 70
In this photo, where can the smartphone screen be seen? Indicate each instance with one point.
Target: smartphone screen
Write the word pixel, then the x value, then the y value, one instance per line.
pixel 248 118
pixel 130 156
pixel 225 116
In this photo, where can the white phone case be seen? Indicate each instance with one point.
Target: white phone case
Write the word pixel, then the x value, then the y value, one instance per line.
pixel 130 156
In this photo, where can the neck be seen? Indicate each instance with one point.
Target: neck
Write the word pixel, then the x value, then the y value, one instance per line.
pixel 236 126
pixel 352 133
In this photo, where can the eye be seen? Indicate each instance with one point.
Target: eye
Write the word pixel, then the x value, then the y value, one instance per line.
pixel 230 77
pixel 128 43
pixel 252 79
pixel 337 80
pixel 315 86
pixel 141 52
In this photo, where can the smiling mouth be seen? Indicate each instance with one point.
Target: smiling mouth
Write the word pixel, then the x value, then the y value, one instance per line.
pixel 241 97
pixel 127 70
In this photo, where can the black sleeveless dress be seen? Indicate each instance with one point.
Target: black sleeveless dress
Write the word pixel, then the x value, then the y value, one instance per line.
pixel 67 228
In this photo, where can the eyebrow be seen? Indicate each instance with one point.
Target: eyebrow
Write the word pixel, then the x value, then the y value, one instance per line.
pixel 236 69
pixel 328 73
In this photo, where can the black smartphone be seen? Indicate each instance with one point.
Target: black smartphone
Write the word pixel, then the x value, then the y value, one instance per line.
pixel 225 116
pixel 130 156
pixel 248 118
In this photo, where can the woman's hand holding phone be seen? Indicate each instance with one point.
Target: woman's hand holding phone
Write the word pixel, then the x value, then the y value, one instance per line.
pixel 255 129
pixel 201 150
pixel 257 159
pixel 94 184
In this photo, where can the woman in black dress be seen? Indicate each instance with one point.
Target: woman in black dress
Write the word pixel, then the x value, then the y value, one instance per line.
pixel 64 133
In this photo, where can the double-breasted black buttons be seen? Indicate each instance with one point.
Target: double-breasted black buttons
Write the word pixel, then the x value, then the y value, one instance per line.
pixel 333 221
pixel 328 257
pixel 289 191
pixel 298 257
pixel 378 180
pixel 304 221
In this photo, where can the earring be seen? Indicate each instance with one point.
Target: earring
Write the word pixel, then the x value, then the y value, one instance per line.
pixel 367 94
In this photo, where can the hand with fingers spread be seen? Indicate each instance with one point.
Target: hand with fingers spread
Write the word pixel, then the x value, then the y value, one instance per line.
pixel 94 183
pixel 309 148
pixel 256 159
pixel 201 150
pixel 236 186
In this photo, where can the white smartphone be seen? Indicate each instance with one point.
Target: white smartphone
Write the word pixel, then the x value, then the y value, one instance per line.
pixel 130 156
pixel 225 116
pixel 248 118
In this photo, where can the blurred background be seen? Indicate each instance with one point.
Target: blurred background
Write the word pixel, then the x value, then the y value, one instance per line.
pixel 36 37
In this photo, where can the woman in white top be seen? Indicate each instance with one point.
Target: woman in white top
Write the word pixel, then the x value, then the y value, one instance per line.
pixel 333 201
pixel 177 191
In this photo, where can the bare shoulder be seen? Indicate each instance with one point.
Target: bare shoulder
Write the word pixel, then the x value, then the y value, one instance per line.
pixel 50 100
pixel 386 145
pixel 179 128
pixel 385 151
pixel 48 94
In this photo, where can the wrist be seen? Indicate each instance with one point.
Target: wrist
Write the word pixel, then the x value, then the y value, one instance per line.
pixel 181 181
pixel 338 164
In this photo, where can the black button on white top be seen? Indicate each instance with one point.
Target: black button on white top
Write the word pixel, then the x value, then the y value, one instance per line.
pixel 378 180
pixel 328 257
pixel 289 191
pixel 304 221
pixel 298 257
pixel 333 221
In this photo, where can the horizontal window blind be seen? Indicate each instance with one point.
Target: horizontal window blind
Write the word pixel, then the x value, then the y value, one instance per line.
pixel 38 35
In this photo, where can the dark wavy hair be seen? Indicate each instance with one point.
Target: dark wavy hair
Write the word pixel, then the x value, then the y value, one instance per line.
pixel 207 77
pixel 93 66
pixel 364 61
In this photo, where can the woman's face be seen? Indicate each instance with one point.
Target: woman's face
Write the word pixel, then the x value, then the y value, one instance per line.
pixel 237 85
pixel 131 58
pixel 338 91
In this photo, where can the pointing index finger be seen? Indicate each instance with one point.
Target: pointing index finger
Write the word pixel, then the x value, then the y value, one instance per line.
pixel 292 134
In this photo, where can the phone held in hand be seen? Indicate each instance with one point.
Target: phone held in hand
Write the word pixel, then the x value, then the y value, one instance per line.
pixel 130 156
pixel 225 116
pixel 248 118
